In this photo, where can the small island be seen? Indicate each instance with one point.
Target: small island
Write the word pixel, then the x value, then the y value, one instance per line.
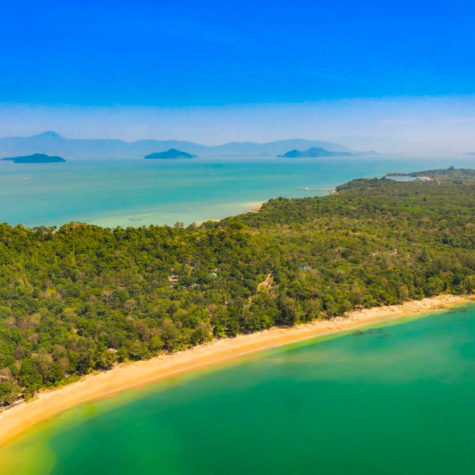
pixel 171 154
pixel 35 158
pixel 313 152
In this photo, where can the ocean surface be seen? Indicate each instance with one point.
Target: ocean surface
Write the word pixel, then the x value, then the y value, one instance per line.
pixel 143 192
pixel 394 399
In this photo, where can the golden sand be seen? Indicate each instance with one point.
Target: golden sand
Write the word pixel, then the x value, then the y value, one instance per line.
pixel 18 419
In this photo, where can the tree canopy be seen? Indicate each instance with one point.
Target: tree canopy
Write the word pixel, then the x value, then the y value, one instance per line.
pixel 82 298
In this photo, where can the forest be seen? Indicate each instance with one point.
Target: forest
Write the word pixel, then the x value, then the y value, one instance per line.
pixel 81 298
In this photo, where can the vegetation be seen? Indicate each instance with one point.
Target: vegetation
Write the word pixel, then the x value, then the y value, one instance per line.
pixel 82 298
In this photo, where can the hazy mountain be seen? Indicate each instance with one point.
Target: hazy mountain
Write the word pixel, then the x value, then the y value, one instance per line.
pixel 52 143
pixel 273 148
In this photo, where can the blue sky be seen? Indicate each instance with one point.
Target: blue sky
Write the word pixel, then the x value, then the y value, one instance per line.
pixel 182 53
pixel 205 54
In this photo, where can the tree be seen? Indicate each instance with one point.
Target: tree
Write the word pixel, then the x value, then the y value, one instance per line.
pixel 9 392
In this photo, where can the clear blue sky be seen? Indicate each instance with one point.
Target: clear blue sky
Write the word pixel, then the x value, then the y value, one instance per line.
pixel 206 53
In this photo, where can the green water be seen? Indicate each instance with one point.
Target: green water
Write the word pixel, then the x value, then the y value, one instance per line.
pixel 142 192
pixel 396 399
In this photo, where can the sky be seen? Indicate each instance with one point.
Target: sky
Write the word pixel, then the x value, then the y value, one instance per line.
pixel 168 69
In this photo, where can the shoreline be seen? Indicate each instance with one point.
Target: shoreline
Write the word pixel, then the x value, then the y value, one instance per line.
pixel 256 206
pixel 18 419
pixel 151 218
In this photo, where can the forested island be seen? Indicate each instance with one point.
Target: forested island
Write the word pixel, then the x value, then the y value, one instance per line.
pixel 83 298
pixel 313 152
pixel 171 154
pixel 35 158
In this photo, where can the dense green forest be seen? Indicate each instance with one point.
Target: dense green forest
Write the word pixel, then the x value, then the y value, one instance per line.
pixel 82 298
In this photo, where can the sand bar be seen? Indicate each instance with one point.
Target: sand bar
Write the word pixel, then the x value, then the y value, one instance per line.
pixel 18 419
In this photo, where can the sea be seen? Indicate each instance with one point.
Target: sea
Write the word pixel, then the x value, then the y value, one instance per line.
pixel 144 192
pixel 388 399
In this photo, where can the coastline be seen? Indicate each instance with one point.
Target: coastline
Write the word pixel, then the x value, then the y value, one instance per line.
pixel 19 419
pixel 256 206
pixel 149 217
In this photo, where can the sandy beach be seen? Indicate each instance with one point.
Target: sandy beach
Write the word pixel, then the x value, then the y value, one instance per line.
pixel 256 207
pixel 20 418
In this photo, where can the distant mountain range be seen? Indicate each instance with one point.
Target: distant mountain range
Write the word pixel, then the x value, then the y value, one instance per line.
pixel 35 158
pixel 313 152
pixel 171 154
pixel 52 143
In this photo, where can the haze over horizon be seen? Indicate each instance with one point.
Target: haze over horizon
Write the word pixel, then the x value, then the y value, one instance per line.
pixel 425 125
pixel 393 78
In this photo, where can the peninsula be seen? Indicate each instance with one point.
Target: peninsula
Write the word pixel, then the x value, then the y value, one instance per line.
pixel 171 154
pixel 35 158
pixel 465 175
pixel 83 298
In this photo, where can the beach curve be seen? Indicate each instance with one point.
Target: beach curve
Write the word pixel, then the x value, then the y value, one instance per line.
pixel 19 419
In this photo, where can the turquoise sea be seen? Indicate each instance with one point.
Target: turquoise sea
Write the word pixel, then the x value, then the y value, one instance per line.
pixel 394 399
pixel 143 192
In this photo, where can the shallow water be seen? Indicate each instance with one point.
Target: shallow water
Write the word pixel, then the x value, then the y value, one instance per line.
pixel 143 192
pixel 391 399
